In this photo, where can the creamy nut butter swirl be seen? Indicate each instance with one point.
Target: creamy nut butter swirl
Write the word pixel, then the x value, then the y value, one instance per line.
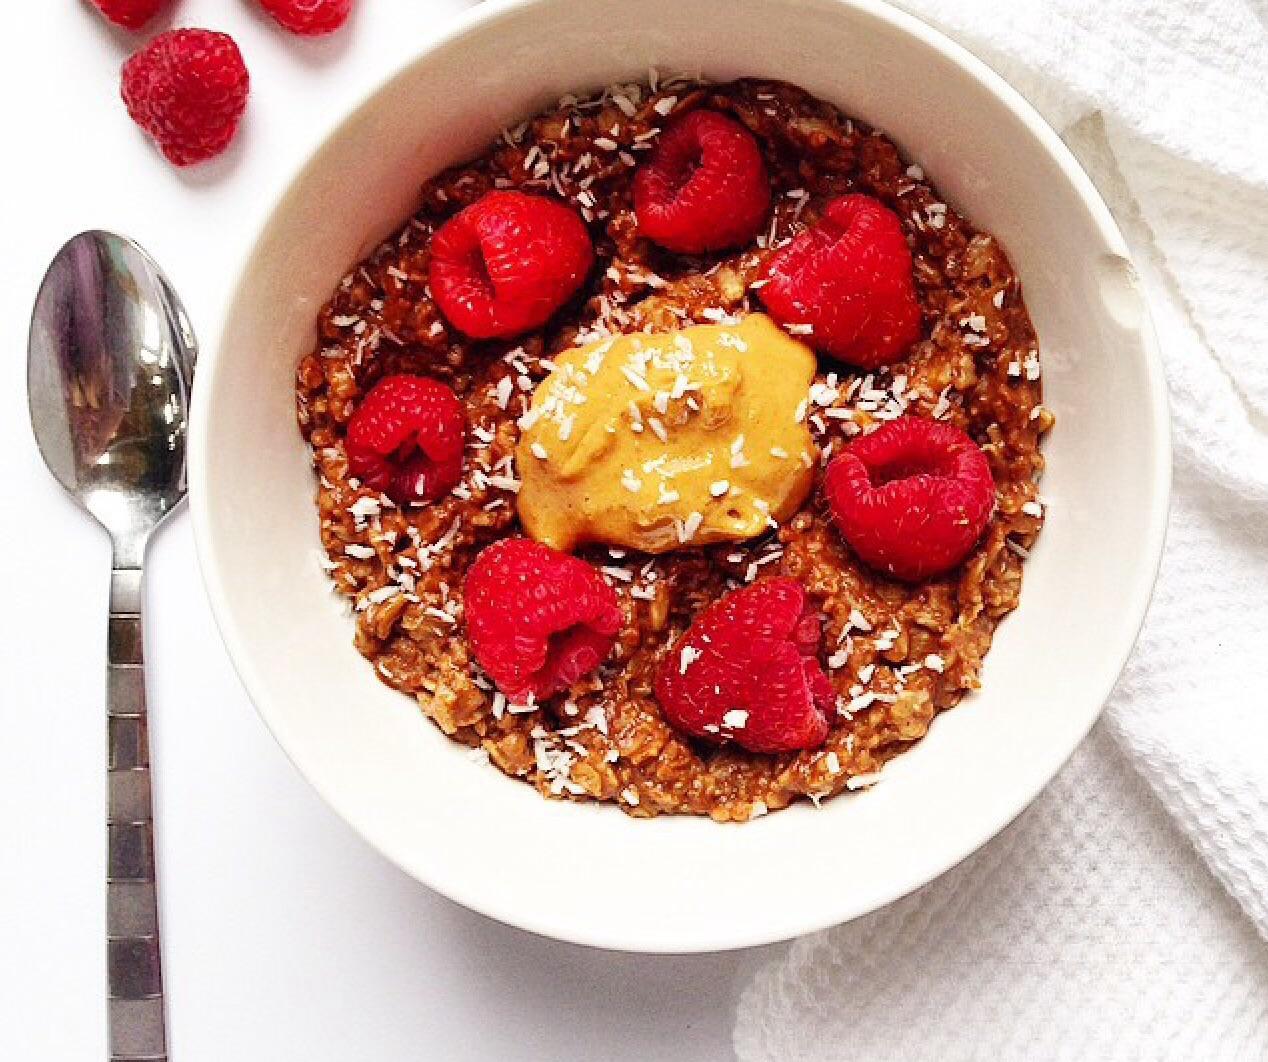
pixel 651 441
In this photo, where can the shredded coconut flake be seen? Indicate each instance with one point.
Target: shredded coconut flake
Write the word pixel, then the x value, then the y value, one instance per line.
pixel 688 656
pixel 860 702
pixel 687 528
pixel 365 508
pixel 504 482
pixel 859 621
pixel 635 378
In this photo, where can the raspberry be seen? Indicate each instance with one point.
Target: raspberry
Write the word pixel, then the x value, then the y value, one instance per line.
pixel 406 439
pixel 704 187
pixel 538 619
pixel 746 672
pixel 309 18
pixel 130 14
pixel 849 277
pixel 187 88
pixel 507 262
pixel 912 497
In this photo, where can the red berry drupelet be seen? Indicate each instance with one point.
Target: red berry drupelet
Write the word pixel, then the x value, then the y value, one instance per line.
pixel 912 498
pixel 309 18
pixel 187 89
pixel 849 277
pixel 746 671
pixel 538 620
pixel 506 263
pixel 130 14
pixel 406 439
pixel 705 186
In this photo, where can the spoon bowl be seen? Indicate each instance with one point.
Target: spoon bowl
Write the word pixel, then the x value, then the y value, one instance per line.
pixel 111 361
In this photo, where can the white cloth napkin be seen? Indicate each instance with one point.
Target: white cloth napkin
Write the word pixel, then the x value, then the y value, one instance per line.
pixel 1090 929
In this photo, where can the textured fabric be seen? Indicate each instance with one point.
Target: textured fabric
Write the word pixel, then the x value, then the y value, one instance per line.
pixel 1055 942
pixel 1096 928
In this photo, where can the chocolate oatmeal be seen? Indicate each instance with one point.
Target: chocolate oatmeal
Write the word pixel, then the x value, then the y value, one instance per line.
pixel 896 653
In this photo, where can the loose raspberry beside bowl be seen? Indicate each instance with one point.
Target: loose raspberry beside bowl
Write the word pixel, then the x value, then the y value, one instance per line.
pixel 130 14
pixel 187 89
pixel 309 18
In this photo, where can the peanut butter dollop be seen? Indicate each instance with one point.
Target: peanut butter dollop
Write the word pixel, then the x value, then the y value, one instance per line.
pixel 657 441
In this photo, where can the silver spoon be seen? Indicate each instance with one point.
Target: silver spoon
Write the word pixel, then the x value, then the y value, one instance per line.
pixel 109 370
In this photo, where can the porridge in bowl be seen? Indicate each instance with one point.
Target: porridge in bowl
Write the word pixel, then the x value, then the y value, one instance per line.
pixel 681 451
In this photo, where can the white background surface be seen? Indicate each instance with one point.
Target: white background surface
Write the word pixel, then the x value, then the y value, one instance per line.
pixel 285 936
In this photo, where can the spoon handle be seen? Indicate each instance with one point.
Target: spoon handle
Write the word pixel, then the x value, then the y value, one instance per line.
pixel 135 1003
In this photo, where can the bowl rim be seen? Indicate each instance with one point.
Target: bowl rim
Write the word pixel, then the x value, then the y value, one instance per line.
pixel 477 20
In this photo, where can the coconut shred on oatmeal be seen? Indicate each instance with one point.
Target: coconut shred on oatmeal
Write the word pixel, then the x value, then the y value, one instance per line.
pixel 681 451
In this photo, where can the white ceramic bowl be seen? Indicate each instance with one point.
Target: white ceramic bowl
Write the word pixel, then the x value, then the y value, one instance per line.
pixel 590 874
